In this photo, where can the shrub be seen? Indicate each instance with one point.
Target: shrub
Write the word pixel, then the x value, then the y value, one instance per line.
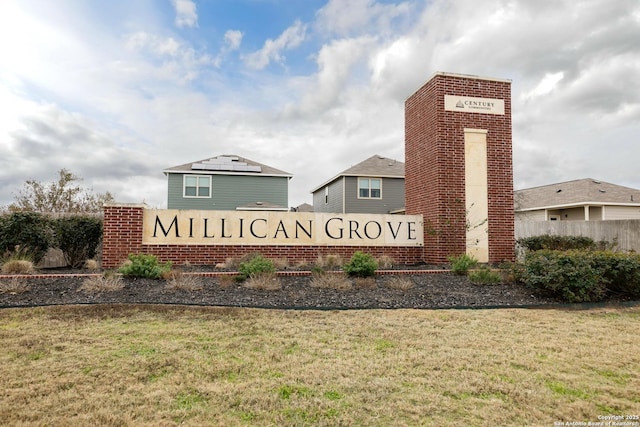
pixel 184 282
pixel 461 264
pixel 78 237
pixel 256 265
pixel 108 282
pixel 322 280
pixel 265 281
pixel 620 271
pixel 569 275
pixel 557 243
pixel 147 266
pixel 17 265
pixel 385 261
pixel 361 265
pixel 400 283
pixel 25 234
pixel 485 276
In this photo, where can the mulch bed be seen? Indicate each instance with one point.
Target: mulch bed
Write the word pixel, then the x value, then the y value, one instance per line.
pixel 431 290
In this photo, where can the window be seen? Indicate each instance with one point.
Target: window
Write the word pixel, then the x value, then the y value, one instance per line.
pixel 369 188
pixel 326 195
pixel 197 186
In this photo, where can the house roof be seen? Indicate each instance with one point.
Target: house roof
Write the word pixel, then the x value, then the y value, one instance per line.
pixel 375 166
pixel 227 164
pixel 578 192
pixel 261 206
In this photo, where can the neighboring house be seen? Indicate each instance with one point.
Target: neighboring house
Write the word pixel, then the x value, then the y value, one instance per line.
pixel 583 199
pixel 227 182
pixel 375 186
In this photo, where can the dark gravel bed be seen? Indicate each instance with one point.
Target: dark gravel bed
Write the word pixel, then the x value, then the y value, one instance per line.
pixel 443 290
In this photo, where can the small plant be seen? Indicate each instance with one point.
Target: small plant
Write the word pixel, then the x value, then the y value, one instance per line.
pixel 226 281
pixel 485 276
pixel 18 265
pixel 146 266
pixel 329 261
pixel 184 282
pixel 108 282
pixel 91 264
pixel 257 265
pixel 400 283
pixel 368 282
pixel 323 280
pixel 385 262
pixel 15 286
pixel 461 264
pixel 263 281
pixel 361 265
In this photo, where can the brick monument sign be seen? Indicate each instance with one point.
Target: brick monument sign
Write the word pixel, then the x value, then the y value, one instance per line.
pixel 458 194
pixel 458 166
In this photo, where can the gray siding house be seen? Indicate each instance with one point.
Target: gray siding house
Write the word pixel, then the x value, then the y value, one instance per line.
pixel 579 200
pixel 375 186
pixel 227 182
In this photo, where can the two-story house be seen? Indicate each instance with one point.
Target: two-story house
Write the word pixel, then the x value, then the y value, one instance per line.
pixel 227 182
pixel 375 185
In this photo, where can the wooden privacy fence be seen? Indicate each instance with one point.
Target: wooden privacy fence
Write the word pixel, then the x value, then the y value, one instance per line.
pixel 627 232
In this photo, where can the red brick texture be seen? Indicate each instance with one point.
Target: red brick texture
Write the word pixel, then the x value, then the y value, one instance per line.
pixel 123 235
pixel 434 166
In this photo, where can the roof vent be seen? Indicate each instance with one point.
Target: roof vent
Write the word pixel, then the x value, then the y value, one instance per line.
pixel 259 203
pixel 602 191
pixel 596 182
pixel 558 190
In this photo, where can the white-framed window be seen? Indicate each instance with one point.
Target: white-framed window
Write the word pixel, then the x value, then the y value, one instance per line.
pixel 369 188
pixel 197 186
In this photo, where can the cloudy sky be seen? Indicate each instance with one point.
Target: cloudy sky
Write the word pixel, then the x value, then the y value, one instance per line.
pixel 116 91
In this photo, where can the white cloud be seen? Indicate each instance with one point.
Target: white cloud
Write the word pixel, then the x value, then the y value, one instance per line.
pixel 546 85
pixel 348 18
pixel 176 61
pixel 233 38
pixel 272 49
pixel 186 15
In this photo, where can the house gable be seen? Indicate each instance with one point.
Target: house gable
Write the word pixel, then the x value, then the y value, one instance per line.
pixel 235 182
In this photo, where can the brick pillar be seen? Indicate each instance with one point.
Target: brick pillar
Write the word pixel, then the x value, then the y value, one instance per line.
pixel 122 233
pixel 435 163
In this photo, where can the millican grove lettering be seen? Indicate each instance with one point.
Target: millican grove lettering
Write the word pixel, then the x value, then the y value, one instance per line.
pixel 280 228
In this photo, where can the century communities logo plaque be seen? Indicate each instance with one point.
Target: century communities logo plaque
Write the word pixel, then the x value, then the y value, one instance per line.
pixel 474 105
pixel 166 227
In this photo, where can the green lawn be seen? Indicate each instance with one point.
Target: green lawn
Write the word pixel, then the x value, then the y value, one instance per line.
pixel 160 365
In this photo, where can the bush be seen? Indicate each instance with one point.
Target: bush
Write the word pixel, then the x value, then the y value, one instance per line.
pixel 17 266
pixel 557 243
pixel 620 271
pixel 25 234
pixel 146 266
pixel 78 237
pixel 461 264
pixel 569 275
pixel 256 265
pixel 485 276
pixel 361 265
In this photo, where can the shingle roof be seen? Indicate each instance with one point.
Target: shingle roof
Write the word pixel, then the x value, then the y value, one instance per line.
pixel 253 167
pixel 376 166
pixel 577 192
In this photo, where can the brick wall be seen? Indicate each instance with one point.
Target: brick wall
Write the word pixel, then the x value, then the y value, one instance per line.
pixel 434 165
pixel 123 235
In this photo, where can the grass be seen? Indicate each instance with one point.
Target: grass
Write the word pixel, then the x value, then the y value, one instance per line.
pixel 157 365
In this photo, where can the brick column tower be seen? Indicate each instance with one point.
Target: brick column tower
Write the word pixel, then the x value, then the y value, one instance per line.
pixel 458 166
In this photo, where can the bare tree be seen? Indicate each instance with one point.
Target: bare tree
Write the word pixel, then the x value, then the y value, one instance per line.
pixel 62 196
